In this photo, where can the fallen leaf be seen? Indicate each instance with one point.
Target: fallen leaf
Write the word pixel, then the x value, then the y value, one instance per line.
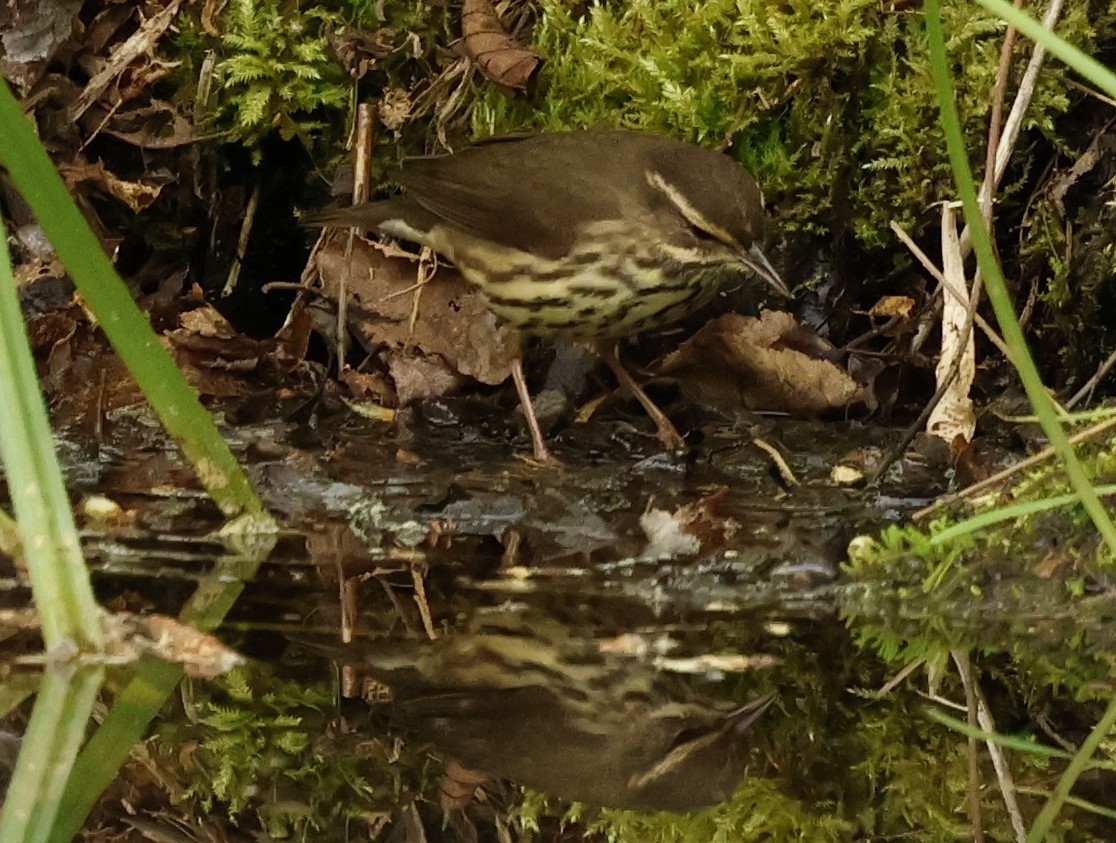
pixel 666 538
pixel 199 654
pixel 134 194
pixel 417 376
pixel 765 363
pixel 689 529
pixel 890 306
pixel 499 56
pixel 453 320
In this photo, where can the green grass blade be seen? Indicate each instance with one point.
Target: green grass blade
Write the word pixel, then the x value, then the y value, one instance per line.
pixel 1082 63
pixel 49 539
pixel 124 324
pixel 998 294
pixel 54 734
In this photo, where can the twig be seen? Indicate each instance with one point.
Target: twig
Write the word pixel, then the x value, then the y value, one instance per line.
pixel 1000 476
pixel 893 683
pixel 999 762
pixel 780 462
pixel 965 669
pixel 418 574
pixel 362 167
pixel 936 274
pixel 233 277
pixel 1091 384
pixel 1014 122
pixel 347 600
pixel 996 116
pixel 427 266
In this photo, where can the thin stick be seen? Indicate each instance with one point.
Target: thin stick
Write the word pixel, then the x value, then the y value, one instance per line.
pixel 250 210
pixel 781 466
pixel 936 274
pixel 362 168
pixel 965 669
pixel 1011 470
pixel 1091 384
pixel 995 751
pixel 996 117
pixel 418 577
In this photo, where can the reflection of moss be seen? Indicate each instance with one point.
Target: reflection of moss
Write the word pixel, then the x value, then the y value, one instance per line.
pixel 1029 597
pixel 757 811
pixel 830 104
pixel 1029 590
pixel 264 752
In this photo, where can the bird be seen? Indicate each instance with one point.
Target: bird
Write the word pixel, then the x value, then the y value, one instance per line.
pixel 586 235
pixel 521 697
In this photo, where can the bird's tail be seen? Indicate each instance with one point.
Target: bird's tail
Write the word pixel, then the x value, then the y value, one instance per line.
pixel 399 217
pixel 367 216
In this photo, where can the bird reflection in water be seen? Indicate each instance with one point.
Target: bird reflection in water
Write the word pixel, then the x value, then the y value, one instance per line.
pixel 531 703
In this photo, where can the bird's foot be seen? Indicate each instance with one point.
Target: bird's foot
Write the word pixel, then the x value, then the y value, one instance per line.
pixel 668 434
pixel 665 430
pixel 541 454
pixel 545 460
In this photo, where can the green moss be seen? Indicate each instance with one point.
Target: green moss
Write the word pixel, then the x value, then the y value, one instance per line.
pixel 418 16
pixel 277 73
pixel 261 750
pixel 831 105
pixel 758 811
pixel 1027 598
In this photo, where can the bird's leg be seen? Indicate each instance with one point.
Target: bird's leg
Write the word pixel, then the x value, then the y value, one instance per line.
pixel 609 352
pixel 542 453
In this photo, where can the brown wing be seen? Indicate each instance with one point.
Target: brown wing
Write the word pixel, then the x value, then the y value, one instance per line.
pixel 527 192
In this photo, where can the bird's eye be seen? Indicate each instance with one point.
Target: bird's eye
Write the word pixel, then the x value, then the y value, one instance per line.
pixel 700 225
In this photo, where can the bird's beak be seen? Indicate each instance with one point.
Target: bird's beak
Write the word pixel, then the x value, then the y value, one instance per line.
pixel 757 261
pixel 749 713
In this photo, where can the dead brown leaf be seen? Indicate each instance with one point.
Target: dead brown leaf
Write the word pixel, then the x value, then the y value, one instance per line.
pixel 136 195
pixel 499 56
pixel 157 125
pixel 219 361
pixel 199 654
pixel 1052 564
pixel 421 377
pixel 205 321
pixel 367 386
pixel 690 529
pixel 765 363
pixel 453 322
pixel 50 329
pixel 360 50
pixel 890 306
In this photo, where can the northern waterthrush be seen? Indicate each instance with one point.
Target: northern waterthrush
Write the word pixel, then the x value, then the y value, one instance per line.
pixel 522 697
pixel 588 235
